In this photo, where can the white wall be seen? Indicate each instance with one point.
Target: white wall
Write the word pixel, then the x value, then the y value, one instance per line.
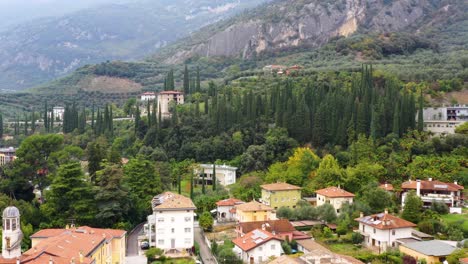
pixel 386 237
pixel 177 225
pixel 225 209
pixel 261 253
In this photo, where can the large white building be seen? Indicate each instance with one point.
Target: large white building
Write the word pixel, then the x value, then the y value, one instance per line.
pixel 431 191
pixel 381 231
pixel 225 175
pixel 171 225
pixel 257 246
pixel 7 155
pixel 334 196
pixel 165 98
pixel 444 120
pixel 147 96
pixel 58 112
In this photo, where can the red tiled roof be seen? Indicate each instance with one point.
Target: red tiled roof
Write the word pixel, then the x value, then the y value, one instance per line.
pixel 277 226
pixel 384 221
pixel 229 202
pixel 433 185
pixel 386 186
pixel 279 186
pixel 334 192
pixel 254 239
pixel 253 206
pixel 171 92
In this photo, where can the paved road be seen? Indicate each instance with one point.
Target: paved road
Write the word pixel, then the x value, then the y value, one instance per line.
pixel 133 256
pixel 205 251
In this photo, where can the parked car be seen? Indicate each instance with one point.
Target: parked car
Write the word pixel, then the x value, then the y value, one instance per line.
pixel 144 245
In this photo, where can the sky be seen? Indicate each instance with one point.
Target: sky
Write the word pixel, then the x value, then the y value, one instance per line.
pixel 17 11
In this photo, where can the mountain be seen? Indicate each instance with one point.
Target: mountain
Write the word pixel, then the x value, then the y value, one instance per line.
pixel 289 24
pixel 46 48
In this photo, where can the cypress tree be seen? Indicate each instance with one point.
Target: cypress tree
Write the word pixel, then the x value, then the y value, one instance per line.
pixel 92 117
pixel 198 87
pixel 148 114
pixel 420 112
pixel 1 125
pixel 46 116
pixel 203 183
pixel 51 125
pixel 179 188
pixel 154 119
pixel 137 120
pixel 26 124
pixel 159 116
pixel 33 122
pixel 191 186
pixel 214 176
pixel 396 119
pixel 206 106
pixel 186 80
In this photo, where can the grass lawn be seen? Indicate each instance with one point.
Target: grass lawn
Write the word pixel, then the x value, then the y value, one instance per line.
pixel 457 218
pixel 175 261
pixel 348 249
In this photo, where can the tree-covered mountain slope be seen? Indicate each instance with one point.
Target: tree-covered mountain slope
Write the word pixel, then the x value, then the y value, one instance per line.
pixel 44 49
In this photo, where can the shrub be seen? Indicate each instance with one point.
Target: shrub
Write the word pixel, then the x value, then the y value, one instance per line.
pixel 357 238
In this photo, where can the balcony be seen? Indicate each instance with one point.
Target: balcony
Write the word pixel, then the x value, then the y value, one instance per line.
pixel 446 198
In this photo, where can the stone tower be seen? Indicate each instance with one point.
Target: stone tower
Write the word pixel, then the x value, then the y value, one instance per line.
pixel 11 233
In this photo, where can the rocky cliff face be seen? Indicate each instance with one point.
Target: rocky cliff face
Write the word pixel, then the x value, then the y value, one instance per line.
pixel 292 23
pixel 44 49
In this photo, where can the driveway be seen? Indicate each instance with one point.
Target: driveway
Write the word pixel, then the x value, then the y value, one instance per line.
pixel 133 249
pixel 205 251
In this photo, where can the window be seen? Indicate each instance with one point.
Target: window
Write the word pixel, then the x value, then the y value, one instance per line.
pixel 260 248
pixel 374 230
pixel 160 241
pixel 260 259
pixel 172 219
pixel 337 211
pixel 172 230
pixel 13 225
pixel 273 247
pixel 188 219
pixel 188 241
pixel 161 220
pixel 160 231
pixel 187 229
pixel 393 232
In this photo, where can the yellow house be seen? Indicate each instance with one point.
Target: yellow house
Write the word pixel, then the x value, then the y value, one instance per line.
pixel 334 196
pixel 433 251
pixel 254 211
pixel 83 245
pixel 280 194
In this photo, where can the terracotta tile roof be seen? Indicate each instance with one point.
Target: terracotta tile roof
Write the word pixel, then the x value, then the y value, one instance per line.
pixel 333 192
pixel 280 186
pixel 387 187
pixel 109 233
pixel 64 247
pixel 253 206
pixel 277 226
pixel 432 185
pixel 384 221
pixel 229 202
pixel 45 233
pixel 7 261
pixel 463 260
pixel 171 92
pixel 254 239
pixel 171 201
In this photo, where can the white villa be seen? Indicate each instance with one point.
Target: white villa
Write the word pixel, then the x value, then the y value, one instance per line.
pixel 444 120
pixel 381 231
pixel 226 211
pixel 171 225
pixel 7 155
pixel 58 112
pixel 147 96
pixel 257 246
pixel 430 190
pixel 225 175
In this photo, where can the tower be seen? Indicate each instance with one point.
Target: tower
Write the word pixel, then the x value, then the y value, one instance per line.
pixel 11 235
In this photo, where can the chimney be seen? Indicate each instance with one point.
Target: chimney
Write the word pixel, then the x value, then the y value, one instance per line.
pixel 51 261
pixel 386 185
pixel 18 260
pixel 243 241
pixel 72 260
pixel 386 211
pixel 418 188
pixel 263 227
pixel 361 215
pixel 455 182
pixel 81 257
pixel 430 179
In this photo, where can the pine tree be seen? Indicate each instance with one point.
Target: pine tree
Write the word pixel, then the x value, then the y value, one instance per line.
pixel 420 112
pixel 186 80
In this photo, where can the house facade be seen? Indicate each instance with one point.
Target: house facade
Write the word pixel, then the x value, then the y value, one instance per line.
pixel 278 195
pixel 7 155
pixel 254 211
pixel 444 120
pixel 281 228
pixel 171 226
pixel 166 98
pixel 381 231
pixel 226 211
pixel 334 196
pixel 225 175
pixel 257 246
pixel 433 251
pixel 431 191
